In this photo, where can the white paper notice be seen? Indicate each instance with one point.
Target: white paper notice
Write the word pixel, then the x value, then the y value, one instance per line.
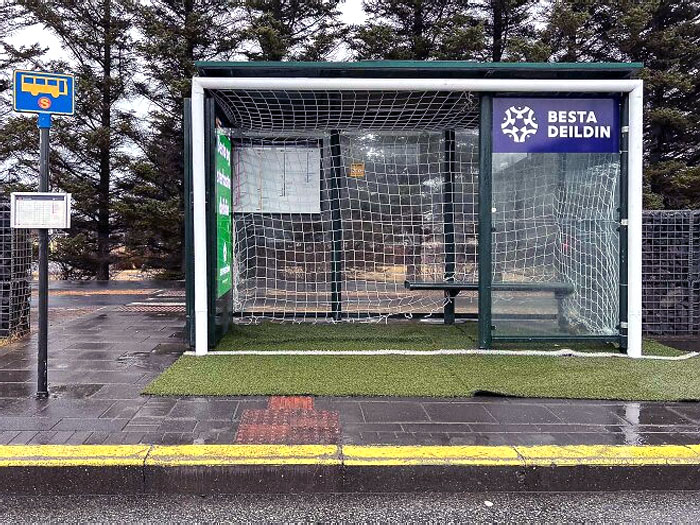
pixel 41 210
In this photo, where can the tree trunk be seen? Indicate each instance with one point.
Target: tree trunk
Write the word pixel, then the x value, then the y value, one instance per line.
pixel 498 13
pixel 103 230
pixel 420 50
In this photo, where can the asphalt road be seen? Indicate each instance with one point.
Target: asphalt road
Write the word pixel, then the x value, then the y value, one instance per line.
pixel 79 294
pixel 611 507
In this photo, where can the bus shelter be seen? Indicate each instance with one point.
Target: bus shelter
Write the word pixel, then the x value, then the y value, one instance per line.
pixel 506 194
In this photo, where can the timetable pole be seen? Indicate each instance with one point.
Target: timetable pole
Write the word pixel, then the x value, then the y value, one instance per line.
pixel 42 364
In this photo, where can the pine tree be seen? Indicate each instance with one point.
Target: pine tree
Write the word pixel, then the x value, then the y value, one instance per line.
pixel 174 34
pixel 417 30
pixel 291 29
pixel 18 134
pixel 88 150
pixel 509 29
pixel 573 29
pixel 665 37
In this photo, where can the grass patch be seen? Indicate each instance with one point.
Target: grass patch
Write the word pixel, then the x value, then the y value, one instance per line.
pixel 437 376
pixel 402 335
pixel 441 376
pixel 349 336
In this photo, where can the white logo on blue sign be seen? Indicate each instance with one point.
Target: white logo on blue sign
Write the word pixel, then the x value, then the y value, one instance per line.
pixel 556 125
pixel 519 123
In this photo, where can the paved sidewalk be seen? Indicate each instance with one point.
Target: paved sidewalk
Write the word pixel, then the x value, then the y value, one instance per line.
pixel 100 363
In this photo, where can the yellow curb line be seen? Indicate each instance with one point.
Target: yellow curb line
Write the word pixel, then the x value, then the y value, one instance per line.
pixel 345 455
pixel 226 455
pixel 357 455
pixel 73 456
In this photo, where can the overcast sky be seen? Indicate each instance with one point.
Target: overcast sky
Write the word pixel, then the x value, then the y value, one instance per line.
pixel 351 11
pixel 351 14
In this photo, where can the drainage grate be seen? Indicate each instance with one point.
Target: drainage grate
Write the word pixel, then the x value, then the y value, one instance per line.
pixel 171 293
pixel 157 309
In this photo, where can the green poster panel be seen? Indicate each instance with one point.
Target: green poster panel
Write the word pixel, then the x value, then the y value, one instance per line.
pixel 223 214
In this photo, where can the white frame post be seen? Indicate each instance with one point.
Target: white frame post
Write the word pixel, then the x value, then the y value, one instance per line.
pixel 634 216
pixel 199 198
pixel 633 87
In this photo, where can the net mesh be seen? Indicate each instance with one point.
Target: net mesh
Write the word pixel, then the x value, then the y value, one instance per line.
pixel 15 276
pixel 384 179
pixel 555 221
pixel 391 206
pixel 318 111
pixel 367 175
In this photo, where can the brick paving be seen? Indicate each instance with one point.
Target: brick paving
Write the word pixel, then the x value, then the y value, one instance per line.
pixel 100 362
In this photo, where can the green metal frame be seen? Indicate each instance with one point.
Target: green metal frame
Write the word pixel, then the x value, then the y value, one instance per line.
pixel 209 167
pixel 485 219
pixel 413 68
pixel 189 224
pixel 220 309
pixel 557 338
pixel 448 184
pixel 486 335
pixel 337 241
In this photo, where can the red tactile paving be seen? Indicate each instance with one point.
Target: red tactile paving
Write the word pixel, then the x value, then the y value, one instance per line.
pixel 289 420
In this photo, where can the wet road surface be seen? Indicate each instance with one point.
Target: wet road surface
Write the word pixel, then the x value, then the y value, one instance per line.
pixel 630 507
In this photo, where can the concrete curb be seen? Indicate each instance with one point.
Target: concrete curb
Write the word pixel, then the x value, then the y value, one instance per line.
pixel 109 469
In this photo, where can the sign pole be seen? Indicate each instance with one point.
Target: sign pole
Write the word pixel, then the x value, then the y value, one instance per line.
pixel 47 94
pixel 42 370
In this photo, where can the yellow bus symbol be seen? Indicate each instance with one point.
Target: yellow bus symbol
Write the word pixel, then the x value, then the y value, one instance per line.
pixel 36 84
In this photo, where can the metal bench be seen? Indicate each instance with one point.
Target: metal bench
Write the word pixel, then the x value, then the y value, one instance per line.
pixel 452 289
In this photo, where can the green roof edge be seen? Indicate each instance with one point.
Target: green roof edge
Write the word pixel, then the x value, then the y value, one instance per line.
pixel 427 64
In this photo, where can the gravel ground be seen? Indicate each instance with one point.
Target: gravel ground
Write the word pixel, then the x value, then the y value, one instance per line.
pixel 611 507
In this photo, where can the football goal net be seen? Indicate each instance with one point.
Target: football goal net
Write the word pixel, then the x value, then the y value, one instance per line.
pixel 340 198
pixel 347 206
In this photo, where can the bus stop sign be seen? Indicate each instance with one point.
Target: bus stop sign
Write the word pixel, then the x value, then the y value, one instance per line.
pixel 37 92
pixel 46 94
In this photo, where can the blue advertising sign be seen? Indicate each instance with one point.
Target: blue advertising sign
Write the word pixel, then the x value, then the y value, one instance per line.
pixel 38 92
pixel 556 125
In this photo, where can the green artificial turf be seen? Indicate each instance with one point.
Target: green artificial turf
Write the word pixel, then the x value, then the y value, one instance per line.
pixel 349 336
pixel 403 335
pixel 442 376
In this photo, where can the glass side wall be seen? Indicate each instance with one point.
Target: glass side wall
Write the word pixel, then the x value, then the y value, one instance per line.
pixel 555 244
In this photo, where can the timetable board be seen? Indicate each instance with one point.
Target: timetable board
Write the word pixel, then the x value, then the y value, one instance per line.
pixel 33 210
pixel 277 179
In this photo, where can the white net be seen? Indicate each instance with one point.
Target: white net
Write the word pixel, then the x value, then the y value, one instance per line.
pixel 367 170
pixel 340 197
pixel 270 111
pixel 555 221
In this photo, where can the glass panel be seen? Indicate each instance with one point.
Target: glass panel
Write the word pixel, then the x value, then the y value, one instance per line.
pixel 555 244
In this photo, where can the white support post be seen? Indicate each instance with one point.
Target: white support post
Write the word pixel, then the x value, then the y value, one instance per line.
pixel 200 220
pixel 634 229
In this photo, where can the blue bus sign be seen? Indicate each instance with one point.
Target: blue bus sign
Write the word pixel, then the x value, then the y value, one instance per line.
pixel 38 92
